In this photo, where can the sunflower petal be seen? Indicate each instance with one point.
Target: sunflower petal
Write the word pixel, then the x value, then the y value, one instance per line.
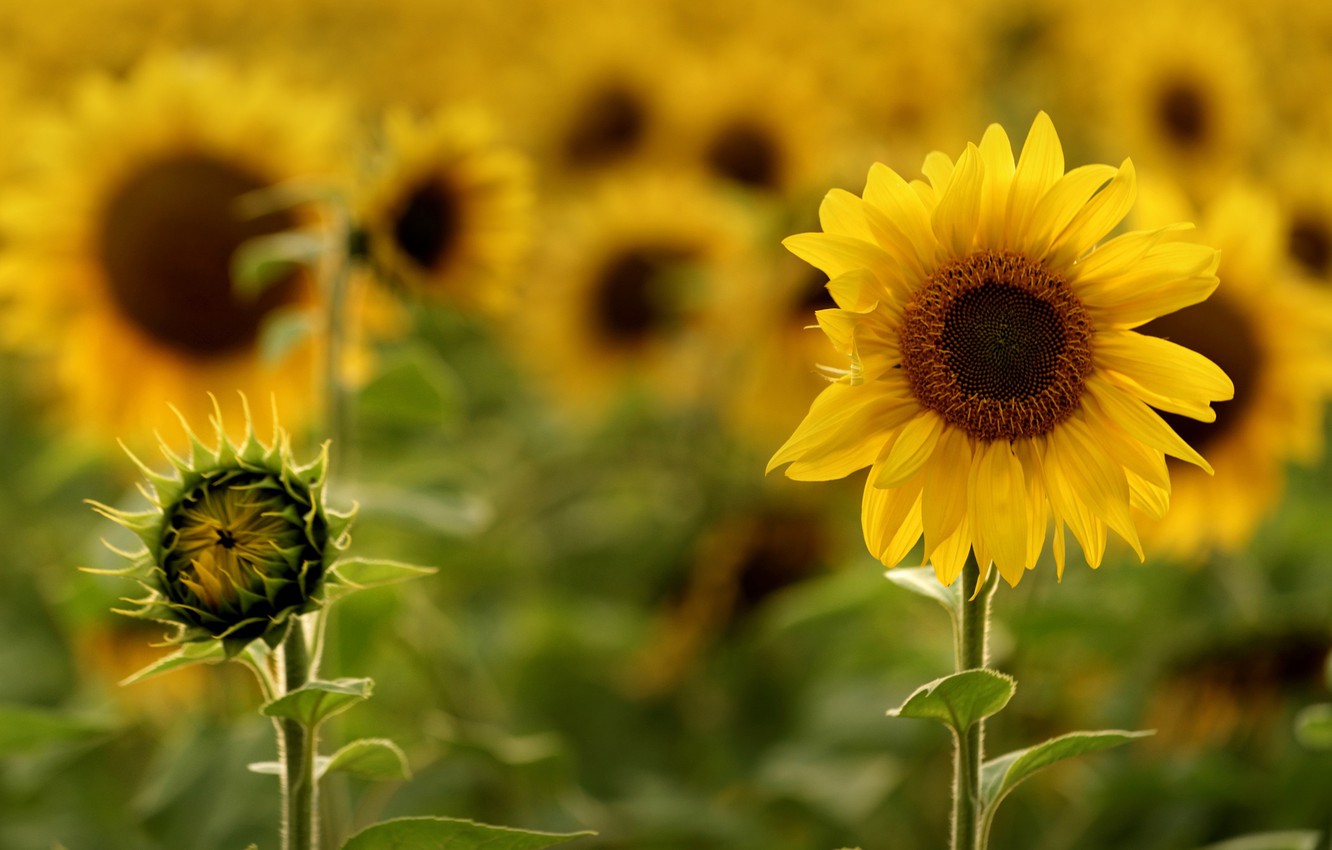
pixel 904 457
pixel 998 507
pixel 891 520
pixel 1163 366
pixel 845 429
pixel 958 214
pixel 1040 164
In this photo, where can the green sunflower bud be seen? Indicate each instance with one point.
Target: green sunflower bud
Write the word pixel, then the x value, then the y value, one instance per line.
pixel 238 541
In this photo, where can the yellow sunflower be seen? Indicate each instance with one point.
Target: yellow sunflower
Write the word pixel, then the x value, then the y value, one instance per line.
pixel 449 214
pixel 1272 334
pixel 1181 88
pixel 994 376
pixel 644 290
pixel 1303 184
pixel 120 244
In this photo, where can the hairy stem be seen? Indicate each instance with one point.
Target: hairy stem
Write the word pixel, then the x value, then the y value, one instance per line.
pixel 296 752
pixel 971 653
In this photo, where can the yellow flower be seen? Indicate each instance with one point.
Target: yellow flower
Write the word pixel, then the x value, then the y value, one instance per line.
pixel 1272 333
pixel 118 247
pixel 995 379
pixel 449 213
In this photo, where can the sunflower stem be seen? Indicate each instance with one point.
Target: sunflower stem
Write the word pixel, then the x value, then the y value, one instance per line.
pixel 336 273
pixel 971 653
pixel 296 752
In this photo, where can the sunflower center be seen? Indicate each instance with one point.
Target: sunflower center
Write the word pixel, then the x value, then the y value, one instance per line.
pixel 997 345
pixel 608 126
pixel 631 303
pixel 166 240
pixel 747 154
pixel 1183 113
pixel 1218 330
pixel 1310 244
pixel 425 227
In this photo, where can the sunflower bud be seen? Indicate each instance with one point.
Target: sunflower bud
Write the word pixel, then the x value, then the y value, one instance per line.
pixel 238 540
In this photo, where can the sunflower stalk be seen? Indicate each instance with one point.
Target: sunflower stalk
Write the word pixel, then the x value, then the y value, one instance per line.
pixel 971 652
pixel 297 750
pixel 335 274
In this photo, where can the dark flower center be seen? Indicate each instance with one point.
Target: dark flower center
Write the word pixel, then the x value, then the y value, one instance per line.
pixel 1310 243
pixel 813 295
pixel 166 240
pixel 632 301
pixel 1184 113
pixel 608 126
pixel 1219 331
pixel 426 224
pixel 747 154
pixel 997 345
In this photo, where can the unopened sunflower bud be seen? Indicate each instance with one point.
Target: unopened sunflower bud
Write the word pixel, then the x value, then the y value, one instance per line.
pixel 237 543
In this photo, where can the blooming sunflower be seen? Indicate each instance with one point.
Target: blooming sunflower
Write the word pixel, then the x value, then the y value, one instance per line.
pixel 1272 333
pixel 645 289
pixel 120 242
pixel 448 215
pixel 995 377
pixel 1303 184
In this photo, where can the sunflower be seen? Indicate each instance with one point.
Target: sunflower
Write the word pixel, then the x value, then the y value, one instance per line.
pixel 1272 334
pixel 995 379
pixel 1181 87
pixel 1303 183
pixel 121 240
pixel 448 215
pixel 646 289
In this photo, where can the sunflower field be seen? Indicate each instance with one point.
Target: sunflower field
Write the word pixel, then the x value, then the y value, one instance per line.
pixel 665 425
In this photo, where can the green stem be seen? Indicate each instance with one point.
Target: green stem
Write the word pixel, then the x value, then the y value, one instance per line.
pixel 336 273
pixel 971 653
pixel 297 746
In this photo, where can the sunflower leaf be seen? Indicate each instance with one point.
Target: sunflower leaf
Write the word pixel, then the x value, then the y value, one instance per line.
pixel 1313 727
pixel 1001 775
pixel 315 702
pixel 362 573
pixel 369 758
pixel 1270 841
pixel 264 260
pixel 923 581
pixel 452 834
pixel 960 700
pixel 24 728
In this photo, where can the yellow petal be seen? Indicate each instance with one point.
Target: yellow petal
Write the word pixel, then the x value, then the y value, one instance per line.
pixel 1141 422
pixel 1039 166
pixel 891 520
pixel 1096 219
pixel 836 255
pixel 845 429
pixel 1094 478
pixel 1038 511
pixel 997 503
pixel 944 504
pixel 997 158
pixel 1061 204
pixel 938 168
pixel 958 214
pixel 902 458
pixel 858 290
pixel 841 213
pixel 950 556
pixel 1163 367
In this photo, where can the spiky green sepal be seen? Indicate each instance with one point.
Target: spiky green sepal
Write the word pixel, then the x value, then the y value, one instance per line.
pixel 238 541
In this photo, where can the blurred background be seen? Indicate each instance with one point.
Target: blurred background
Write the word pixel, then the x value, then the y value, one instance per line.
pixel 573 341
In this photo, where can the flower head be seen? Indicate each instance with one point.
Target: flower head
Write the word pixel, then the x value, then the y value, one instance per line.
pixel 995 379
pixel 237 542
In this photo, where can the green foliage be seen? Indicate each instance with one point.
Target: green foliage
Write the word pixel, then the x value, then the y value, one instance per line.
pixel 362 573
pixel 261 262
pixel 960 700
pixel 202 652
pixel 452 834
pixel 24 729
pixel 923 581
pixel 315 702
pixel 1001 775
pixel 1313 727
pixel 1270 841
pixel 368 758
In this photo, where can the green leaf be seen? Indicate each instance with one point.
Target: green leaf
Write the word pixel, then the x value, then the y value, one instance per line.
pixel 1001 775
pixel 361 573
pixel 283 329
pixel 452 834
pixel 264 260
pixel 267 768
pixel 315 702
pixel 923 581
pixel 1313 727
pixel 370 758
pixel 198 652
pixel 24 728
pixel 961 699
pixel 1271 841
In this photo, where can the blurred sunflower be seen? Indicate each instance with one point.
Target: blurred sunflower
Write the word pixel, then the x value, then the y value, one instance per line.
pixel 121 242
pixel 449 213
pixel 594 91
pixel 1272 334
pixel 994 377
pixel 646 289
pixel 1303 183
pixel 758 121
pixel 1180 88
